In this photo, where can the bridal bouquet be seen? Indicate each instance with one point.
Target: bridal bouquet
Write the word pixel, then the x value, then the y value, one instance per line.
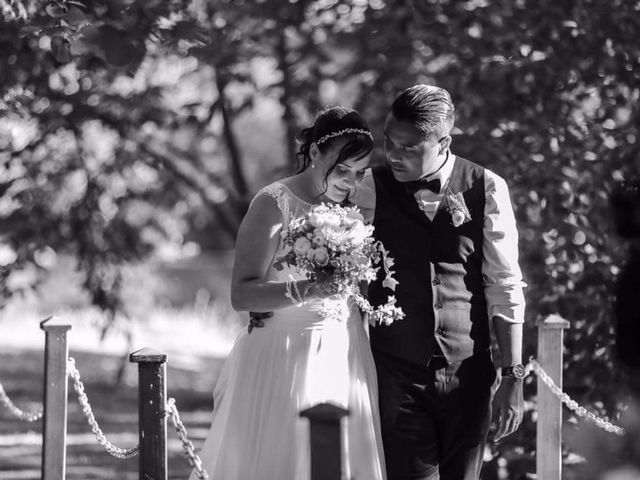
pixel 332 243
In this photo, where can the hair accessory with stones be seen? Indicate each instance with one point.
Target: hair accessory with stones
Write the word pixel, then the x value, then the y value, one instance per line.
pixel 339 133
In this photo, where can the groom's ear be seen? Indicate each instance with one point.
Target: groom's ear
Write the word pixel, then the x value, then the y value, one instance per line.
pixel 445 143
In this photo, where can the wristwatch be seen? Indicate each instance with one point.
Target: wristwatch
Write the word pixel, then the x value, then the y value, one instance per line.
pixel 516 371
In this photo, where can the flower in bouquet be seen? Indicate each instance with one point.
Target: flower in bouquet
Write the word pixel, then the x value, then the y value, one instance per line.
pixel 333 242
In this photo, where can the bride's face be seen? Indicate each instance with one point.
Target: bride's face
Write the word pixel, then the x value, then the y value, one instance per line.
pixel 344 178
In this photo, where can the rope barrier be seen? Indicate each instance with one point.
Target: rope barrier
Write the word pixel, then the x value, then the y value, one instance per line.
pixel 571 404
pixel 171 411
pixel 121 453
pixel 110 448
pixel 194 460
pixel 17 412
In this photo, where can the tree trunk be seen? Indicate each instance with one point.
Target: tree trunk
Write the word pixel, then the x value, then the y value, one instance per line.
pixel 237 174
pixel 286 98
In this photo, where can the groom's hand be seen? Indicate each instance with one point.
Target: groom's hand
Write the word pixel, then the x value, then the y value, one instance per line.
pixel 508 407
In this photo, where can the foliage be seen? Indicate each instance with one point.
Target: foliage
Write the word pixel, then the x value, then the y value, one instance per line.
pixel 120 123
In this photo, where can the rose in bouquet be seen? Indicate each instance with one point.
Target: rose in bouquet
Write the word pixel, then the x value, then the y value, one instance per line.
pixel 333 244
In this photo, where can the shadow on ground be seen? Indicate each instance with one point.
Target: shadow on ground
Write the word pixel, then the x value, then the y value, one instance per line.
pixel 115 408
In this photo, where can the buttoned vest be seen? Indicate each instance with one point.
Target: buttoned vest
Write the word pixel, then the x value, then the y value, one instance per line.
pixel 438 267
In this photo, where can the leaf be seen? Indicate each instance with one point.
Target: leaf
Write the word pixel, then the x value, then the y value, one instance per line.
pixel 112 44
pixel 189 30
pixel 56 10
pixel 5 186
pixel 80 46
pixel 206 52
pixel 570 172
pixel 29 30
pixel 90 32
pixel 76 17
pixel 121 54
pixel 60 49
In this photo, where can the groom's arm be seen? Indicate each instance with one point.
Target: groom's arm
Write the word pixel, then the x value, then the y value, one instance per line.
pixel 500 269
pixel 505 299
pixel 509 399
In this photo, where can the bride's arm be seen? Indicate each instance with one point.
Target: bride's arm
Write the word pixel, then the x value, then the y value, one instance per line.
pixel 256 245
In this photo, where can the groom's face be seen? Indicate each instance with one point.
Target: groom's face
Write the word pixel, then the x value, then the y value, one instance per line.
pixel 409 155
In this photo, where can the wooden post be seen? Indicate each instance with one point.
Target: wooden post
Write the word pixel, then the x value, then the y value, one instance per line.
pixel 152 422
pixel 324 421
pixel 549 425
pixel 54 429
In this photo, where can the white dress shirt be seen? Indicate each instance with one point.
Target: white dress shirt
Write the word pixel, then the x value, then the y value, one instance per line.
pixel 501 272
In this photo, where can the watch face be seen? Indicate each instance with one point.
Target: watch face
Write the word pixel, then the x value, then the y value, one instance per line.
pixel 518 371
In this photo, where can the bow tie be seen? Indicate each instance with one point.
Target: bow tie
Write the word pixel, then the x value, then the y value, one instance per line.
pixel 417 185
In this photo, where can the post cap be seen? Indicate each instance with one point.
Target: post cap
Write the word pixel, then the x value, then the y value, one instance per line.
pixel 55 324
pixel 324 412
pixel 553 321
pixel 148 355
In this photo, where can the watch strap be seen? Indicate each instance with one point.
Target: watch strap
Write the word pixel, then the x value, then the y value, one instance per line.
pixel 514 371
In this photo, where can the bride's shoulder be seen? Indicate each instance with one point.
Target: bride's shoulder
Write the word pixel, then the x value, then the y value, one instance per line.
pixel 273 190
pixel 265 206
pixel 276 194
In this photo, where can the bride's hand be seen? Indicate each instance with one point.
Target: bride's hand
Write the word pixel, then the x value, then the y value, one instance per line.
pixel 321 288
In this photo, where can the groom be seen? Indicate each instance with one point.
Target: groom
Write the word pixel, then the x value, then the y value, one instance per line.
pixel 449 225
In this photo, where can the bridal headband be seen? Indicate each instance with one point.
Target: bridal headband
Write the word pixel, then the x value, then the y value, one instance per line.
pixel 339 133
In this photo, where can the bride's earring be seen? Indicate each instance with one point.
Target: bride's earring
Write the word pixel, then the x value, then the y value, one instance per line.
pixel 313 165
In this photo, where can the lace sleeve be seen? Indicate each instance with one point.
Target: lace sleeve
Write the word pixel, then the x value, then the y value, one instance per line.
pixel 279 194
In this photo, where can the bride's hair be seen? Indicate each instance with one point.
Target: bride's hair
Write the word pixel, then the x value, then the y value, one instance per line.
pixel 331 125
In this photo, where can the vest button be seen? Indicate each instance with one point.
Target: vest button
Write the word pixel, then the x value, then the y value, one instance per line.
pixel 439 331
pixel 436 281
pixel 437 305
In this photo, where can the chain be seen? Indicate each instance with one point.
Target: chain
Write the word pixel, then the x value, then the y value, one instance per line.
pixel 194 460
pixel 15 411
pixel 572 404
pixel 95 428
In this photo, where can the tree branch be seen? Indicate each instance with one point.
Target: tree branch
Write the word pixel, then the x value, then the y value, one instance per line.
pixel 227 219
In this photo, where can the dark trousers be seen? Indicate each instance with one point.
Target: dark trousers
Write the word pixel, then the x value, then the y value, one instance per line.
pixel 435 418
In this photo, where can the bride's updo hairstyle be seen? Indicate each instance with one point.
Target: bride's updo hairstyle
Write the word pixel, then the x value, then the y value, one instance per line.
pixel 330 126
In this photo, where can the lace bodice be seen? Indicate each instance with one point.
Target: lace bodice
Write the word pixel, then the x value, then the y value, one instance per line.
pixel 292 207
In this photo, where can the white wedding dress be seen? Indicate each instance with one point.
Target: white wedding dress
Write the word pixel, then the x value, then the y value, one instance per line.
pixel 301 357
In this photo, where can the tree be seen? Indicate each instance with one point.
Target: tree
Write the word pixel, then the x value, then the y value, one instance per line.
pixel 109 141
pixel 546 95
pixel 96 163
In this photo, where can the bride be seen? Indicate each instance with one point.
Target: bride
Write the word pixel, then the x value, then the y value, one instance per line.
pixel 302 356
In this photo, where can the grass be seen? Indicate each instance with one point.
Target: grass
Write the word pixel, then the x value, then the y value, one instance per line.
pixel 179 308
pixel 114 408
pixel 183 310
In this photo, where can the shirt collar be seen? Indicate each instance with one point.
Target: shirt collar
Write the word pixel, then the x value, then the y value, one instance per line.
pixel 444 172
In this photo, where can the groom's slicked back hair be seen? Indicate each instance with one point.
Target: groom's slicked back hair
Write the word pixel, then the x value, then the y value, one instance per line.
pixel 426 107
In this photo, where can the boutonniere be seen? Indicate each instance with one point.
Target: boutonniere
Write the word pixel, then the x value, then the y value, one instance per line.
pixel 457 208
